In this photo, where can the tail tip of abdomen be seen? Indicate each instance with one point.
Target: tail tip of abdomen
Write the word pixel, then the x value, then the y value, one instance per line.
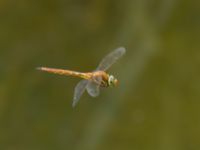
pixel 39 68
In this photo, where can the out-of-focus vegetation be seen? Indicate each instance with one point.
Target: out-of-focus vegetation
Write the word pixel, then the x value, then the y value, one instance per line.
pixel 157 104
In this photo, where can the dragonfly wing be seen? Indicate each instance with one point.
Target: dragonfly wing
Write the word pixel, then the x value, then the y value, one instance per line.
pixel 79 90
pixel 93 89
pixel 111 58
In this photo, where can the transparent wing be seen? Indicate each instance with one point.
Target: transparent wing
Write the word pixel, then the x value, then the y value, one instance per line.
pixel 93 89
pixel 79 90
pixel 111 58
pixel 93 86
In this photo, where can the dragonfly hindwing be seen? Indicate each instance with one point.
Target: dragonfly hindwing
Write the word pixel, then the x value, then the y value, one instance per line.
pixel 93 89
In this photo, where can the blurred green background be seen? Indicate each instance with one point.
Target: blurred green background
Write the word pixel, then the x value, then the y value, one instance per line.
pixel 155 107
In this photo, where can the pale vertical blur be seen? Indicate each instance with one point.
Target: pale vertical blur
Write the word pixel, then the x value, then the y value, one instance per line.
pixel 156 105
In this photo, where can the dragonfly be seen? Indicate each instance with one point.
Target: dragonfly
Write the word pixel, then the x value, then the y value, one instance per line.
pixel 92 81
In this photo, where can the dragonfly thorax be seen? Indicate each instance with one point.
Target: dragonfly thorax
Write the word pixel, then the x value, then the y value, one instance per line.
pixel 112 81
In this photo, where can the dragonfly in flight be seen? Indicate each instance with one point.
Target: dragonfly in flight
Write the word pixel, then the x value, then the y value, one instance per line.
pixel 92 81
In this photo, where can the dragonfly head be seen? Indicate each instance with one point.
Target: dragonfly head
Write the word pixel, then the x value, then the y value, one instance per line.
pixel 112 81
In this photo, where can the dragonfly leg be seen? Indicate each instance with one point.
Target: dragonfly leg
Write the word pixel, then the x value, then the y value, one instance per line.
pixel 100 82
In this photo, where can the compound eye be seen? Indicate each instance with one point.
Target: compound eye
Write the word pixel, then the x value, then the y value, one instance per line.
pixel 111 80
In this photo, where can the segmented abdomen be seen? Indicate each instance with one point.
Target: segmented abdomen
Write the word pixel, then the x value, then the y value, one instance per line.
pixel 65 72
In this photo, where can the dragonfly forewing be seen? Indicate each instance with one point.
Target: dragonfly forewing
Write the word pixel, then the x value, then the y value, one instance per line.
pixel 79 90
pixel 111 58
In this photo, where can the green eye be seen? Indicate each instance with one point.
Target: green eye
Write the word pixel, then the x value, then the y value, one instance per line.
pixel 111 80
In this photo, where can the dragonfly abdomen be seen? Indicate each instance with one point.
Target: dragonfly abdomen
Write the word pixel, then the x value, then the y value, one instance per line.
pixel 65 72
